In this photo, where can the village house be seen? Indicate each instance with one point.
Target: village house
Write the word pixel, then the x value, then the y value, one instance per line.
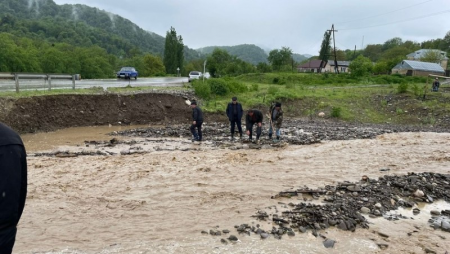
pixel 316 66
pixel 417 68
pixel 419 54
pixel 342 66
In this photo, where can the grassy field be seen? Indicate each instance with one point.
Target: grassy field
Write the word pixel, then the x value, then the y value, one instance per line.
pixel 374 99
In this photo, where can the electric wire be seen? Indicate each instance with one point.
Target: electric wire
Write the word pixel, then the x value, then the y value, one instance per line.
pixel 381 14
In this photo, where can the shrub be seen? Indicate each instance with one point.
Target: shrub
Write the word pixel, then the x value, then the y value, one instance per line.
pixel 202 89
pixel 402 88
pixel 336 112
pixel 275 80
pixel 254 87
pixel 416 90
pixel 272 90
pixel 218 87
pixel 236 87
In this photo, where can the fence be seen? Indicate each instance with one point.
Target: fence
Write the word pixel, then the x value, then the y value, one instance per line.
pixel 30 76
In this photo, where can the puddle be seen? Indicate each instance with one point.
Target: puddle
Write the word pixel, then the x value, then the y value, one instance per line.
pixel 71 136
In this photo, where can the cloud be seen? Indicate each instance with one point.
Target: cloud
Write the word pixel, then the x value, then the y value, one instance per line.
pixel 299 25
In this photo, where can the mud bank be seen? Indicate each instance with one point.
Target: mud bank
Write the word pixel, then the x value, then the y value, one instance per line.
pixel 48 113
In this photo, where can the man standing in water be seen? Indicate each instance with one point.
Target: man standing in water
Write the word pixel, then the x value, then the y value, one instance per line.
pixel 197 121
pixel 234 113
pixel 254 117
pixel 13 186
pixel 276 118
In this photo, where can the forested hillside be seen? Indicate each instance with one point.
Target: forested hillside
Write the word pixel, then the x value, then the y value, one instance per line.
pixel 80 25
pixel 246 52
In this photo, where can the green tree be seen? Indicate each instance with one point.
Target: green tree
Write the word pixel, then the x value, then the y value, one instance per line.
pixel 373 52
pixel 432 56
pixel 361 66
pixel 392 43
pixel 278 58
pixel 153 66
pixel 381 67
pixel 325 48
pixel 263 68
pixel 218 61
pixel 173 52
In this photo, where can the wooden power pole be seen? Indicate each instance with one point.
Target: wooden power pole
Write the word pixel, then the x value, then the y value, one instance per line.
pixel 336 69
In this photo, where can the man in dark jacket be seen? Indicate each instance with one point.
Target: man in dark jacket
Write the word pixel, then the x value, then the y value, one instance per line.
pixel 436 85
pixel 276 118
pixel 234 113
pixel 254 117
pixel 13 186
pixel 197 121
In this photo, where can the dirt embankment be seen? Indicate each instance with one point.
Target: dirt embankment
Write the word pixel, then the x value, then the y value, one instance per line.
pixel 47 113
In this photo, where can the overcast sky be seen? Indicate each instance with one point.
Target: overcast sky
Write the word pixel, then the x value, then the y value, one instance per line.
pixel 272 24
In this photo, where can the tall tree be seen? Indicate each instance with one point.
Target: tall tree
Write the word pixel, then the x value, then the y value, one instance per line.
pixel 325 48
pixel 279 58
pixel 173 51
pixel 432 56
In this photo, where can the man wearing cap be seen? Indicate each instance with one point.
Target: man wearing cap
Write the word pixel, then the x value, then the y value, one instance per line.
pixel 197 121
pixel 276 118
pixel 254 117
pixel 436 85
pixel 13 186
pixel 234 113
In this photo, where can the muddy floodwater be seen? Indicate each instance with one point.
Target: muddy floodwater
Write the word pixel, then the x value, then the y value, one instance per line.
pixel 160 200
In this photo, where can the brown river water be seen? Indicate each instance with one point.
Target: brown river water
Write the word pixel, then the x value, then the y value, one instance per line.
pixel 160 201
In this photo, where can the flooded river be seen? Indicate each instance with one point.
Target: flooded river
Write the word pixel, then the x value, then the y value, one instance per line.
pixel 160 201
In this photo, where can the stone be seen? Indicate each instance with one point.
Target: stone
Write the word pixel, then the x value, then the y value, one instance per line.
pixel 418 193
pixel 328 243
pixel 264 235
pixel 365 210
pixel 223 241
pixel 378 205
pixel 435 212
pixel 225 231
pixel 383 235
pixel 445 225
pixel 233 238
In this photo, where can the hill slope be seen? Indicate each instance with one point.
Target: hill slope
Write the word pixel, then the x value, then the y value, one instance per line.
pixel 80 25
pixel 246 52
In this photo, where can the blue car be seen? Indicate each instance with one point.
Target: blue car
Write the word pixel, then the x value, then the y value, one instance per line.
pixel 127 73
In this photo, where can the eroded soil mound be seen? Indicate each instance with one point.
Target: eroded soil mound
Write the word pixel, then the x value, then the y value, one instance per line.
pixel 47 113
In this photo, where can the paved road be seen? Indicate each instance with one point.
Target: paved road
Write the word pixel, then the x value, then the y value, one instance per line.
pixel 9 85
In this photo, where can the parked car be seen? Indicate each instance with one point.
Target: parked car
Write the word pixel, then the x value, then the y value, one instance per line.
pixel 207 75
pixel 127 73
pixel 194 75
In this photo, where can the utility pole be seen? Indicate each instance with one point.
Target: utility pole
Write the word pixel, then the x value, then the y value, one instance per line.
pixel 336 69
pixel 354 52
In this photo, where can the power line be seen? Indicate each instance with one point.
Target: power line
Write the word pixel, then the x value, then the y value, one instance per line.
pixel 407 7
pixel 400 21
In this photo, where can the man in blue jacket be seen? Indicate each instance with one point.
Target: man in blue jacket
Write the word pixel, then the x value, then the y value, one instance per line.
pixel 13 186
pixel 234 113
pixel 197 121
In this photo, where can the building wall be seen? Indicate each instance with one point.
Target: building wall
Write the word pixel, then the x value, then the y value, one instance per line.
pixel 330 68
pixel 414 72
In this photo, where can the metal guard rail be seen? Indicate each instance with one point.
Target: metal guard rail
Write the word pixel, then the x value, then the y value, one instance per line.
pixel 48 77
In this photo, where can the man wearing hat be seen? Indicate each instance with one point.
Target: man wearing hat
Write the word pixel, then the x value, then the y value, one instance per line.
pixel 13 185
pixel 197 121
pixel 234 113
pixel 254 117
pixel 436 85
pixel 276 118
